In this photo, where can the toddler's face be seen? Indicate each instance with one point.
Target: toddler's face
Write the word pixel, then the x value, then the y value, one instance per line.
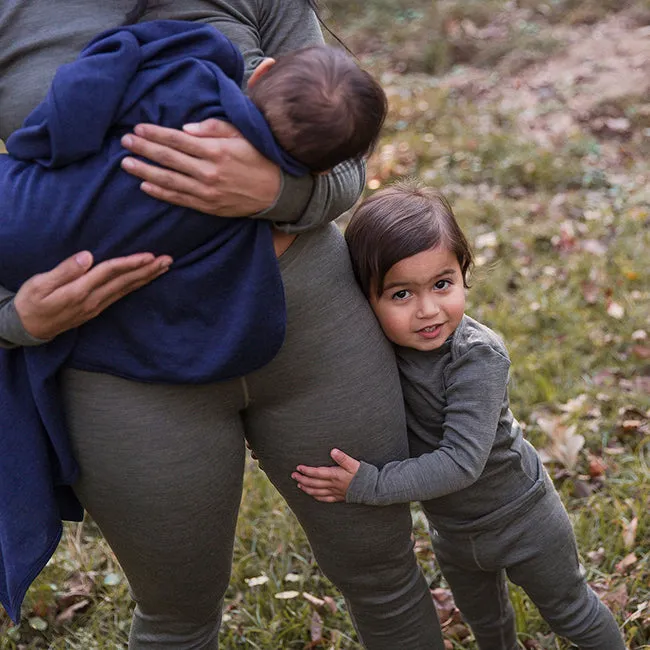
pixel 423 300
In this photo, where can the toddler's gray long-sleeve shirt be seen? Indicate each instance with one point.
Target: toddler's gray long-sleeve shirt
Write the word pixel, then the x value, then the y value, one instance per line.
pixel 469 455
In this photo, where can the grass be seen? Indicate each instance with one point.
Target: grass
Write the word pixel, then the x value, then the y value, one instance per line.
pixel 561 236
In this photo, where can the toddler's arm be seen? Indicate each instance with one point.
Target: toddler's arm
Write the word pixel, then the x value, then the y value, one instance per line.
pixel 476 390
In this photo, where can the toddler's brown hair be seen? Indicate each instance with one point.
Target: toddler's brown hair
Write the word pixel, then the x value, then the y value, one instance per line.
pixel 400 221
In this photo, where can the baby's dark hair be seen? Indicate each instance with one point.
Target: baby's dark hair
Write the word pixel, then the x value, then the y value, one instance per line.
pixel 321 106
pixel 399 222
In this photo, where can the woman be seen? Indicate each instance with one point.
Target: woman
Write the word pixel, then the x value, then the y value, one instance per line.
pixel 162 466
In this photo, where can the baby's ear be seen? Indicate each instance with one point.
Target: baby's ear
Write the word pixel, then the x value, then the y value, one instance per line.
pixel 261 70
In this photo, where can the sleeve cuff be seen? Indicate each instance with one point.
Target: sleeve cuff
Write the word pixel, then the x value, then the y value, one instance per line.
pixel 361 486
pixel 12 332
pixel 291 202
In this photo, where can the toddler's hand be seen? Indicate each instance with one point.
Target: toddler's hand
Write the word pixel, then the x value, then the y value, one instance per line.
pixel 328 484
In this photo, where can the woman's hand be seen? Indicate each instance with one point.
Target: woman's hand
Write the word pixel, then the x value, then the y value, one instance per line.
pixel 208 166
pixel 329 484
pixel 73 292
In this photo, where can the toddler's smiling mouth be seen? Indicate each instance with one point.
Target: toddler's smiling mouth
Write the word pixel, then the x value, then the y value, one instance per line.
pixel 430 329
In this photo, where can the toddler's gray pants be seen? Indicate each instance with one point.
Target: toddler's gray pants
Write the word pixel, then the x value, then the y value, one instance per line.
pixel 536 548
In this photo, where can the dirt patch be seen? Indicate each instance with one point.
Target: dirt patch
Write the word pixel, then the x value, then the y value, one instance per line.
pixel 601 71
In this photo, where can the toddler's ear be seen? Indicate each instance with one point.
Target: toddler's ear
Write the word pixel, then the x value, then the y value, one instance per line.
pixel 261 69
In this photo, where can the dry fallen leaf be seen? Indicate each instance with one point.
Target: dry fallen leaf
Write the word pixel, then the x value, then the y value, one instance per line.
pixel 597 466
pixel 445 606
pixel 598 556
pixel 629 532
pixel 78 586
pixel 616 599
pixel 582 489
pixel 457 631
pixel 614 450
pixel 316 628
pixel 575 404
pixel 640 608
pixel 330 603
pixel 67 614
pixel 625 564
pixel 531 644
pixel 615 310
pixel 640 351
pixel 313 600
pixel 565 444
pixel 593 246
pixel 293 577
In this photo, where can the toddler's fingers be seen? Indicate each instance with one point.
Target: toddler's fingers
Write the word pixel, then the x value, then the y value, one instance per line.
pixel 318 472
pixel 311 482
pixel 318 491
pixel 348 463
pixel 329 499
pixel 321 495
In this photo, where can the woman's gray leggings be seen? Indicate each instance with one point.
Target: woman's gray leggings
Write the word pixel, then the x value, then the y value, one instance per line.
pixel 161 466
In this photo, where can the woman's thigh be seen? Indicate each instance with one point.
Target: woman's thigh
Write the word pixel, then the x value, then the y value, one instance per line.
pixel 161 474
pixel 334 383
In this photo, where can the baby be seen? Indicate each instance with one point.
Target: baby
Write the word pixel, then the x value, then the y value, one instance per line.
pixel 492 509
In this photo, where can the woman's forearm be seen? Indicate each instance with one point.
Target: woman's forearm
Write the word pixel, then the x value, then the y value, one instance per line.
pixel 313 201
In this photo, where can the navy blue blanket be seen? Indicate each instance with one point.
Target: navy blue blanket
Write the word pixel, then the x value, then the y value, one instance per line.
pixel 217 314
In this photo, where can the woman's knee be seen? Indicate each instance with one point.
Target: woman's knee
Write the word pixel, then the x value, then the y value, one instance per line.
pixel 361 547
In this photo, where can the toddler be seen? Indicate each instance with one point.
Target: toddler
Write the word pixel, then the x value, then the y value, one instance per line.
pixel 492 509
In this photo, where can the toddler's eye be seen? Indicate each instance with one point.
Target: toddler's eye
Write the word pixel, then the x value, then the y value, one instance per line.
pixel 442 284
pixel 402 294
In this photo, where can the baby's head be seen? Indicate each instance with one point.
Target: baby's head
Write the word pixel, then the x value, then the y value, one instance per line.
pixel 321 107
pixel 412 261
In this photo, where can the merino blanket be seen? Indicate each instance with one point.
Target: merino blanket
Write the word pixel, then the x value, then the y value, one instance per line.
pixel 218 313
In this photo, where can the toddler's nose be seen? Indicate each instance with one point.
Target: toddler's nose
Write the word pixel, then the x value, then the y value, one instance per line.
pixel 428 307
